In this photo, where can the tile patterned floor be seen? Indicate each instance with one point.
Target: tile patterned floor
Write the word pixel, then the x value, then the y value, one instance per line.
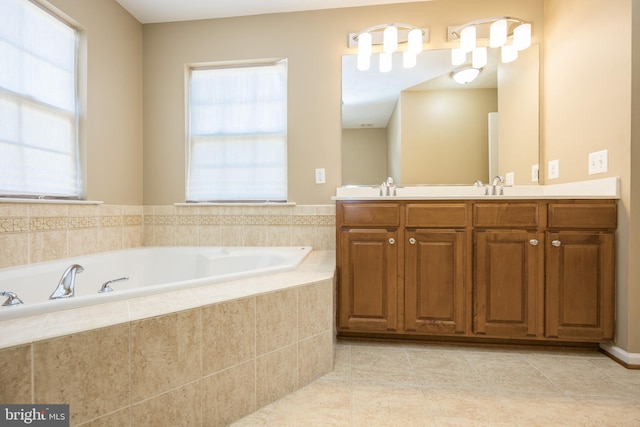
pixel 377 385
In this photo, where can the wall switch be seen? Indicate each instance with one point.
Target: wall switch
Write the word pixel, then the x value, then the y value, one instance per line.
pixel 509 178
pixel 535 173
pixel 554 169
pixel 320 177
pixel 598 162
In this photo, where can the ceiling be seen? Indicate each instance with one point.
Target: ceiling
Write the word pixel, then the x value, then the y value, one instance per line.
pixel 150 11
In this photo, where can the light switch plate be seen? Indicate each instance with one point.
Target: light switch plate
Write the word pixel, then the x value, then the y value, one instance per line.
pixel 320 176
pixel 598 162
pixel 509 178
pixel 535 173
pixel 554 169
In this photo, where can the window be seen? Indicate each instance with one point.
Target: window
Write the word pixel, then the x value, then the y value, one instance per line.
pixel 38 112
pixel 238 133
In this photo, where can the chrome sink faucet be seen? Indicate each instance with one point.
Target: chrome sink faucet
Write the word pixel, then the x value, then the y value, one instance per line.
pixel 387 188
pixel 496 188
pixel 66 286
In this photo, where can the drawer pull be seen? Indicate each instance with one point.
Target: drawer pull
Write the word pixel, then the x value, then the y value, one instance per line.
pixel 392 240
pixel 556 243
pixel 412 241
pixel 533 242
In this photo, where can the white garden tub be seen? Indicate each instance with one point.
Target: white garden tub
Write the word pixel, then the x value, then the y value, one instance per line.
pixel 150 270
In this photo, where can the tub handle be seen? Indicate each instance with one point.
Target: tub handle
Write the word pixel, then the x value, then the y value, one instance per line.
pixel 105 286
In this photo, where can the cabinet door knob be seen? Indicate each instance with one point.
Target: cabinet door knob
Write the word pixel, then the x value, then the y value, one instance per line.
pixel 391 240
pixel 533 242
pixel 556 243
pixel 412 241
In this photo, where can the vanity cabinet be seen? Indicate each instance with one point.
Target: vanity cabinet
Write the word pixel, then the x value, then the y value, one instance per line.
pixel 534 270
pixel 368 267
pixel 580 271
pixel 435 268
pixel 508 291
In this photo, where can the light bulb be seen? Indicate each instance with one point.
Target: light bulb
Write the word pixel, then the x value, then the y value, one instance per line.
pixel 458 56
pixel 415 41
pixel 408 59
pixel 390 39
pixel 498 33
pixel 364 62
pixel 385 62
pixel 479 57
pixel 364 44
pixel 522 36
pixel 468 39
pixel 509 53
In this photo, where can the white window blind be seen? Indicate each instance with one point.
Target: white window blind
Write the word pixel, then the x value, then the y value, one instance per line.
pixel 38 119
pixel 238 133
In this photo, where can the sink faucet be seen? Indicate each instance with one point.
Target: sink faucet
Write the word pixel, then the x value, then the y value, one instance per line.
pixel 66 286
pixel 496 186
pixel 12 298
pixel 388 188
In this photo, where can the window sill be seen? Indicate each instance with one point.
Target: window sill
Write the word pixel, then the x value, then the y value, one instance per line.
pixel 269 204
pixel 49 201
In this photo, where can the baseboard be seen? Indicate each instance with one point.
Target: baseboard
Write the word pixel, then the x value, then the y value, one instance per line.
pixel 628 360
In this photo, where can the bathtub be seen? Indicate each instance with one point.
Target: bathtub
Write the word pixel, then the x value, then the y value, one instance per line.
pixel 149 270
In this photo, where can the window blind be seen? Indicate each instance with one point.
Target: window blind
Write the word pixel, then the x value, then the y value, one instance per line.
pixel 238 133
pixel 38 112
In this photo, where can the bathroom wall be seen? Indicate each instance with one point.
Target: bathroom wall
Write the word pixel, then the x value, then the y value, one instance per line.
pixel 364 155
pixel 314 43
pixel 587 106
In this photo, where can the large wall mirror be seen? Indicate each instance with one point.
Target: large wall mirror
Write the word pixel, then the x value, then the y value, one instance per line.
pixel 421 127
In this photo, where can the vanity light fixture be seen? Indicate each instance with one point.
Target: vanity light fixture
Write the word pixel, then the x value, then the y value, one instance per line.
pixel 465 75
pixel 499 30
pixel 390 37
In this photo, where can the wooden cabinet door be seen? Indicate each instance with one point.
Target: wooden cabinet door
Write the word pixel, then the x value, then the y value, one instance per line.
pixel 435 277
pixel 368 280
pixel 580 285
pixel 509 289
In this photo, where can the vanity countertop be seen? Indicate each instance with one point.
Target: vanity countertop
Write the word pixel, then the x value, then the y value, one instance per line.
pixel 605 188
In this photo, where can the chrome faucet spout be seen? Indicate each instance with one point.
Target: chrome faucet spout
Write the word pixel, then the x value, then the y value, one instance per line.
pixel 67 284
pixel 12 298
pixel 497 188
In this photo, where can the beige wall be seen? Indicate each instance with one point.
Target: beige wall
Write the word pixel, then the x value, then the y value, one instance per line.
pixel 436 148
pixel 364 156
pixel 586 105
pixel 111 124
pixel 314 43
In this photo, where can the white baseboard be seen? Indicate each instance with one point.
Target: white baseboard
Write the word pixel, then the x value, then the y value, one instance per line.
pixel 626 357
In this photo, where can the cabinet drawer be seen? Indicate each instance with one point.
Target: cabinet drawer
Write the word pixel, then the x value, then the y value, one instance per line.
pixel 502 215
pixel 450 215
pixel 583 215
pixel 370 214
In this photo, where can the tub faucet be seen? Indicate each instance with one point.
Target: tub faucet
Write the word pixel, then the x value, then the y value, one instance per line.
pixel 12 298
pixel 66 286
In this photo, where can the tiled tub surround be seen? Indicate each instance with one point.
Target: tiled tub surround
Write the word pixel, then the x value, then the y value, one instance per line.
pixel 35 232
pixel 204 356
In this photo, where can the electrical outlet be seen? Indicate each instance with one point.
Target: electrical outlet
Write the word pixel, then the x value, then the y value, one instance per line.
pixel 554 169
pixel 509 178
pixel 598 162
pixel 535 173
pixel 320 176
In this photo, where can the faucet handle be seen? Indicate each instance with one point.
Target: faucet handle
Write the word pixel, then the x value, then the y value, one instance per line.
pixel 12 298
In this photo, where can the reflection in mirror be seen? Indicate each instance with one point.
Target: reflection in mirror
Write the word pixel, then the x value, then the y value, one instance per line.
pixel 421 127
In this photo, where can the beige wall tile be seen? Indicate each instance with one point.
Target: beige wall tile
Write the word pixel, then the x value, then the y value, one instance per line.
pixel 14 249
pixel 255 235
pixel 209 235
pixel 110 238
pixel 83 242
pixel 228 334
pixel 62 367
pixel 186 235
pixel 315 357
pixel 179 407
pixel 46 246
pixel 15 375
pixel 120 418
pixel 279 235
pixel 231 235
pixel 276 320
pixel 165 353
pixel 229 395
pixel 315 309
pixel 276 375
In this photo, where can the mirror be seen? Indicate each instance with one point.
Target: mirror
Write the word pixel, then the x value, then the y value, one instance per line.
pixel 421 127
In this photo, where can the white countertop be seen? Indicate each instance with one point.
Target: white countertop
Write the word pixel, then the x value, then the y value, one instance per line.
pixel 605 188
